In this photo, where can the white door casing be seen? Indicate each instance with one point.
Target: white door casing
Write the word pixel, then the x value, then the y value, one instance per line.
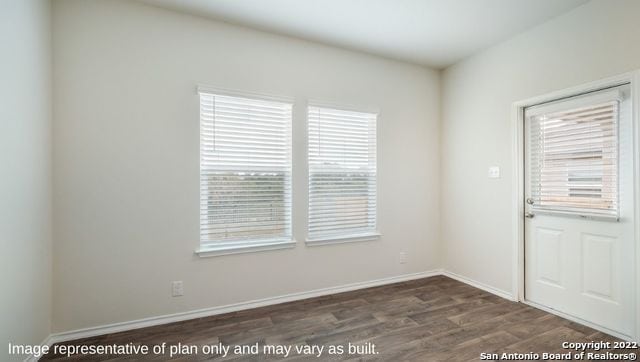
pixel 580 264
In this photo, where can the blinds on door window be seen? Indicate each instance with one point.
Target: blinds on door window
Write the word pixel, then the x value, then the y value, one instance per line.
pixel 574 157
pixel 245 169
pixel 342 173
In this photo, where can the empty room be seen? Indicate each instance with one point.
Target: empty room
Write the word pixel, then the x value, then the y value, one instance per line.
pixel 319 180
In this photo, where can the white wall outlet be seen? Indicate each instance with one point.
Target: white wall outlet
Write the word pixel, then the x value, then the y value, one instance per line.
pixel 402 258
pixel 494 172
pixel 177 289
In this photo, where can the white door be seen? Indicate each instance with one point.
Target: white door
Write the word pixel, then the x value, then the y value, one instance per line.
pixel 579 243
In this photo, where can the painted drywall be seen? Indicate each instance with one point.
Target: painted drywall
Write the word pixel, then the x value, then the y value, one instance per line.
pixel 126 161
pixel 595 41
pixel 25 173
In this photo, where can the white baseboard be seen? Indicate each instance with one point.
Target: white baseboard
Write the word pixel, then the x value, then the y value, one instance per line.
pixel 177 317
pixel 479 285
pixel 47 342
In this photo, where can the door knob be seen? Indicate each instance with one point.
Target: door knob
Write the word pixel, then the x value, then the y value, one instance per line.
pixel 529 215
pixel 530 201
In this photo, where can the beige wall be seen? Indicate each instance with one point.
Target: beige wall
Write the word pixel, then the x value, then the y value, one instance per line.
pixel 597 40
pixel 25 173
pixel 126 161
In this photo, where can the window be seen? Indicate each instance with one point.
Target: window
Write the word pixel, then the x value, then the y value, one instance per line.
pixel 245 172
pixel 574 156
pixel 342 174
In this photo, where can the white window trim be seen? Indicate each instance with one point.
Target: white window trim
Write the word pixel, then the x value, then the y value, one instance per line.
pixel 343 107
pixel 220 249
pixel 213 249
pixel 577 101
pixel 342 239
pixel 203 88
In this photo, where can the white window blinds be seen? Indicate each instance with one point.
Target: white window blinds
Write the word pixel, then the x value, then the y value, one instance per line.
pixel 245 169
pixel 342 173
pixel 574 158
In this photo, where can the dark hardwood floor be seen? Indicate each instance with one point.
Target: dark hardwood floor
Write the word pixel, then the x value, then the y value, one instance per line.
pixel 431 319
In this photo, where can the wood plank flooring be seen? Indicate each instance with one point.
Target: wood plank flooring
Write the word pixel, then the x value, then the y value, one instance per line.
pixel 431 319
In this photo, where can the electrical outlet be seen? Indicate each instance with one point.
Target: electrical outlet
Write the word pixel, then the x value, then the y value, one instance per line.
pixel 402 258
pixel 177 289
pixel 494 172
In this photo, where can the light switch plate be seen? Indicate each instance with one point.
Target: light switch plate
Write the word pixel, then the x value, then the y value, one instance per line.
pixel 494 172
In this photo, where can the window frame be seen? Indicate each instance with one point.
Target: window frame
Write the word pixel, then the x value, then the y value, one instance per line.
pixel 218 248
pixel 351 237
pixel 577 101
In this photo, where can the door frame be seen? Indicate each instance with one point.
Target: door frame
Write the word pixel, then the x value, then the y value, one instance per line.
pixel 517 131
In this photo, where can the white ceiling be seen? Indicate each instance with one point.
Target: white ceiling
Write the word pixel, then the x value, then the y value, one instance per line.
pixel 435 33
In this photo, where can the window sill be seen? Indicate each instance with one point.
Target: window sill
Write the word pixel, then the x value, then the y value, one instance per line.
pixel 211 250
pixel 330 240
